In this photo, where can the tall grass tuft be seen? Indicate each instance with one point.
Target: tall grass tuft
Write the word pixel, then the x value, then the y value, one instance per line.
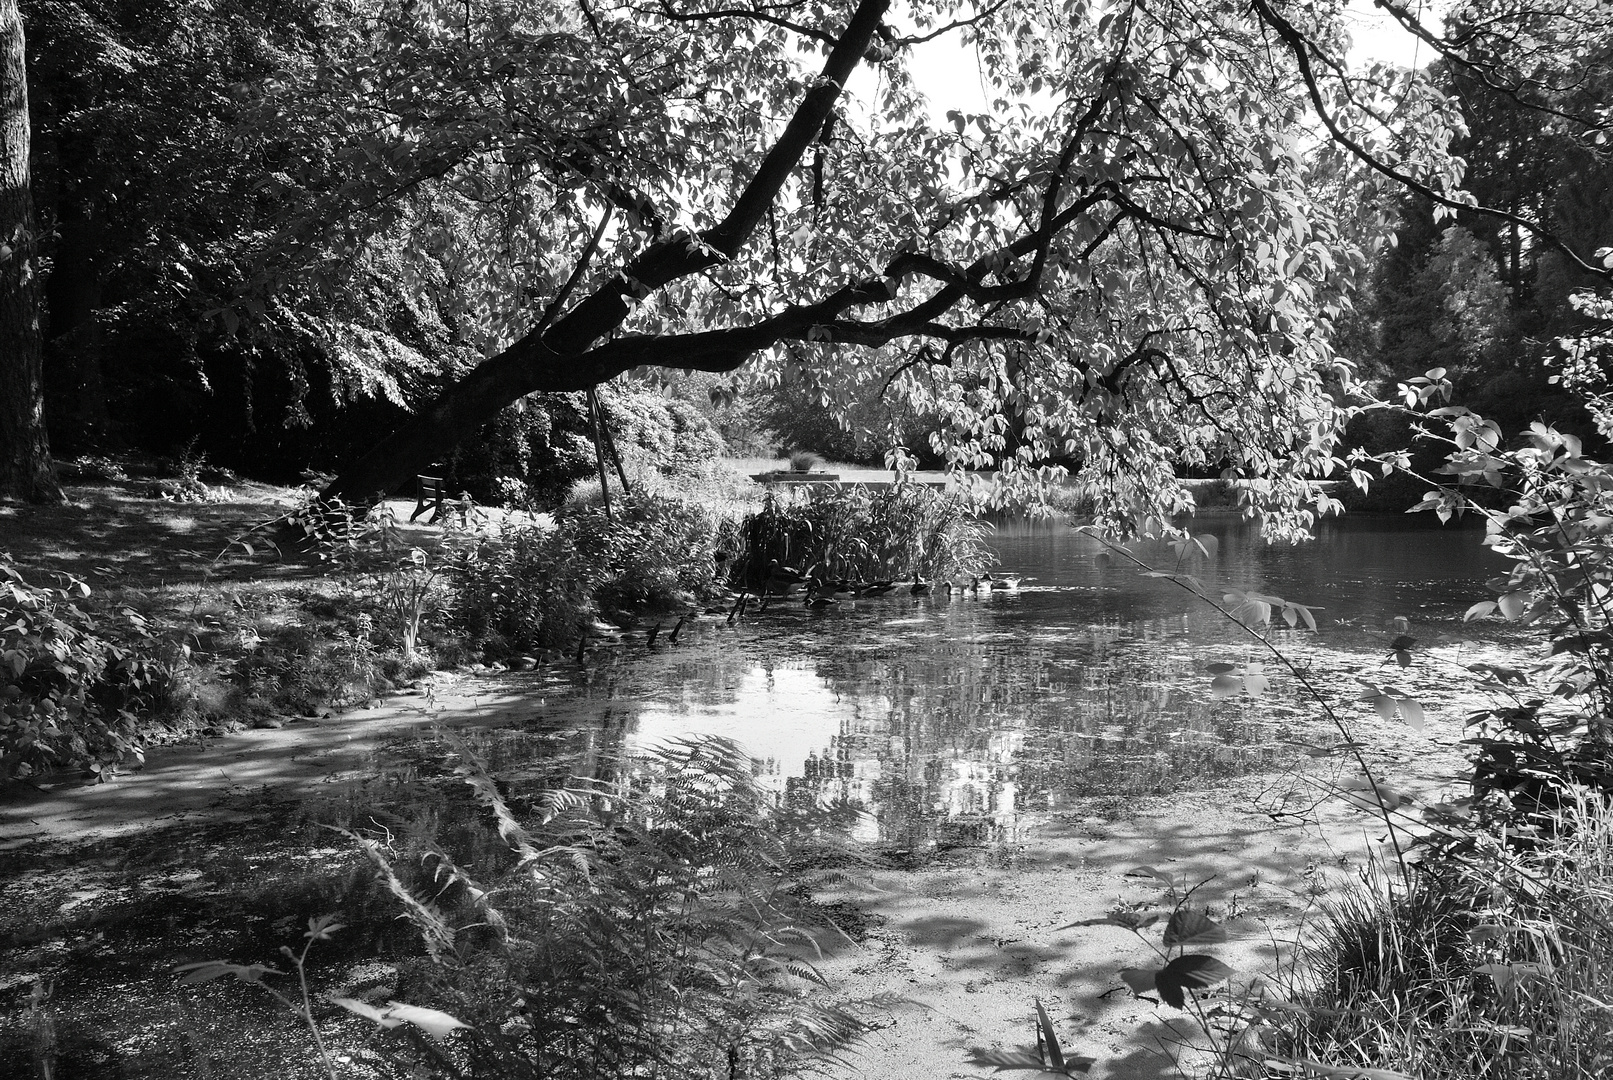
pixel 1500 968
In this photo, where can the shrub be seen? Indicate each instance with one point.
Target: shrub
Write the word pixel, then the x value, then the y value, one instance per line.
pixel 524 589
pixel 1495 965
pixel 531 587
pixel 68 696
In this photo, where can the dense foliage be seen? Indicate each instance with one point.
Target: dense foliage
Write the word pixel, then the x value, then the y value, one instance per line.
pixel 531 587
pixel 68 696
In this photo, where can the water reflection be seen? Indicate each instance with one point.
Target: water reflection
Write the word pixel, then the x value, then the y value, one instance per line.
pixel 960 721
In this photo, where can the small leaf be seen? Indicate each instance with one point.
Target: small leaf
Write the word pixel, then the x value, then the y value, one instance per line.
pixel 433 1022
pixel 1412 710
pixel 1194 972
pixel 1225 686
pixel 1149 871
pixel 1192 928
pixel 1479 610
pixel 1049 1038
pixel 1220 668
pixel 1513 604
pixel 1255 685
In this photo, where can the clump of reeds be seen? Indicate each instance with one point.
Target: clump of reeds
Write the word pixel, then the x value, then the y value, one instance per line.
pixel 1495 963
pixel 864 535
pixel 805 461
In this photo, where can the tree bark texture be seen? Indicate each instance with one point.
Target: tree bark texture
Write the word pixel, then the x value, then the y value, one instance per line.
pixel 25 466
pixel 563 357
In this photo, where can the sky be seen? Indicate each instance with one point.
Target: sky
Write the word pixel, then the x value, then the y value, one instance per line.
pixel 949 76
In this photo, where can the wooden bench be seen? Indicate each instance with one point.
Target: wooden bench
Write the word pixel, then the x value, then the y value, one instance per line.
pixel 429 497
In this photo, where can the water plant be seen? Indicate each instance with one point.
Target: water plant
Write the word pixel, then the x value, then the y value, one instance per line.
pixel 864 534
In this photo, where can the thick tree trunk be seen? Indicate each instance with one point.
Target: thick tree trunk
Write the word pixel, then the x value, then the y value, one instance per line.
pixel 25 467
pixel 563 358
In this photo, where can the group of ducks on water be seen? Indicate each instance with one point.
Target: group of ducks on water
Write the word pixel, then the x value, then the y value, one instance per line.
pixel 822 593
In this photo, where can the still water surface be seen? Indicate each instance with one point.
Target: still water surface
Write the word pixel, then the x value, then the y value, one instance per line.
pixel 948 721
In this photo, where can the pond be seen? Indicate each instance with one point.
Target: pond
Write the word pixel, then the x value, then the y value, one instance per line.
pixel 957 720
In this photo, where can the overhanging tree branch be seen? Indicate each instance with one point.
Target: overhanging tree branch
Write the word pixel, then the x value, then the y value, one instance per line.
pixel 554 359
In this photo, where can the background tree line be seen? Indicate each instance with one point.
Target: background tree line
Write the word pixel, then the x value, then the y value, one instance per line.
pixel 281 230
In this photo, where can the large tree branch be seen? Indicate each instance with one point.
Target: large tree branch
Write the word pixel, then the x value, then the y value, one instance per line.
pixel 554 359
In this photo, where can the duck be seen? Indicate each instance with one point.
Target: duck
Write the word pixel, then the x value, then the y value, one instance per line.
pixel 876 588
pixel 818 601
pixel 919 586
pixel 784 578
pixel 1001 582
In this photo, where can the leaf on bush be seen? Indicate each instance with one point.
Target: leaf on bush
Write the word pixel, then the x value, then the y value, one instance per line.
pixel 1220 668
pixel 433 1022
pixel 1479 610
pixel 1412 710
pixel 1291 610
pixel 1486 932
pixel 1513 604
pixel 208 970
pixel 1225 686
pixel 1188 973
pixel 1255 685
pixel 1193 928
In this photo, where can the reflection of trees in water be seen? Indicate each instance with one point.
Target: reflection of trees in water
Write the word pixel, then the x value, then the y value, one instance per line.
pixel 953 728
pixel 953 741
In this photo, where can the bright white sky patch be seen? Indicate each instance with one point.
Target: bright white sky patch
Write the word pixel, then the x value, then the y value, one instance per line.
pixel 949 74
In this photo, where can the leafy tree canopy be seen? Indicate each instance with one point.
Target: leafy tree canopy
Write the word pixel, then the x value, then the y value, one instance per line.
pixel 1134 260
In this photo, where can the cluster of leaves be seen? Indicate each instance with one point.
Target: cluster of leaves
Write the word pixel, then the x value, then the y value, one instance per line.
pixel 864 534
pixel 1552 731
pixel 650 925
pixel 532 587
pixel 69 696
